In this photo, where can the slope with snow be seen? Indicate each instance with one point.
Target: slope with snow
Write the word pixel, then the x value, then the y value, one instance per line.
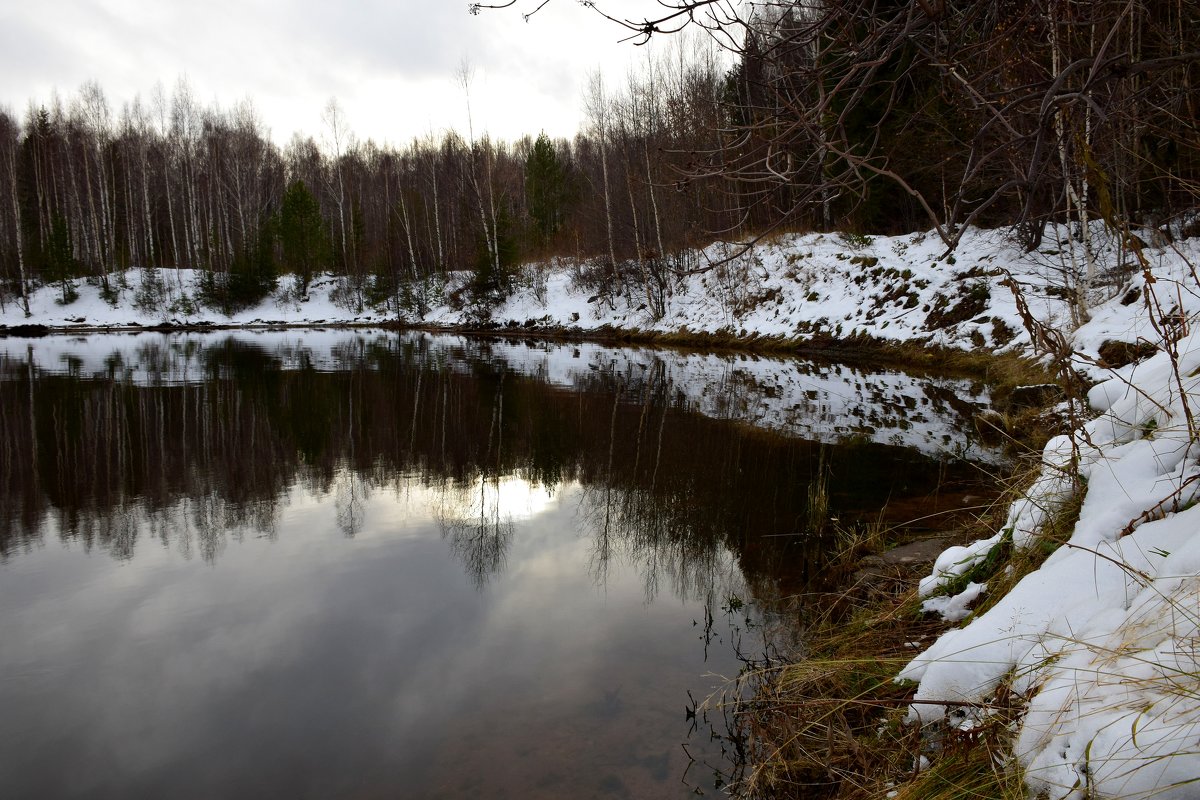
pixel 902 288
pixel 1101 640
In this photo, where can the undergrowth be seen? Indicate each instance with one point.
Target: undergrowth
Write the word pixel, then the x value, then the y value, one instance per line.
pixel 826 726
pixel 832 724
pixel 1012 566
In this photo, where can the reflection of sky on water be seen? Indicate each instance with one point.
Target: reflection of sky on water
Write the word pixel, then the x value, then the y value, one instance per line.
pixel 304 578
pixel 310 664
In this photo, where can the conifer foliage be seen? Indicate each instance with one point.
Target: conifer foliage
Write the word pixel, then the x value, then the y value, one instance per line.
pixel 302 239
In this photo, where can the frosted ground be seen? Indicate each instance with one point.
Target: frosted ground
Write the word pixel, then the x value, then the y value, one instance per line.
pixel 1101 641
pixel 892 288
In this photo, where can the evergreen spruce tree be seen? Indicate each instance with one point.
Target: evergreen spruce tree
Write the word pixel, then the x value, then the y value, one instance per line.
pixel 252 275
pixel 60 260
pixel 302 233
pixel 546 190
pixel 491 285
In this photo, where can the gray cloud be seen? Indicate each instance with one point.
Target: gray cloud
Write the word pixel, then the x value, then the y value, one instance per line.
pixel 390 62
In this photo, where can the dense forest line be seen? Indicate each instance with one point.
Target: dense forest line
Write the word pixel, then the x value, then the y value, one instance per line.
pixel 861 116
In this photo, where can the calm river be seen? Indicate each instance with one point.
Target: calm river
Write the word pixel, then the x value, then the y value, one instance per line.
pixel 332 564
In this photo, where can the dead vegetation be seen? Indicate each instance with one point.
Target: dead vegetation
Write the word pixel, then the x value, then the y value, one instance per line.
pixel 832 723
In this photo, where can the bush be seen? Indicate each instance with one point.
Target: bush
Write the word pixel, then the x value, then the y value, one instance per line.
pixel 856 241
pixel 69 294
pixel 183 306
pixel 350 293
pixel 251 277
pixel 110 293
pixel 230 292
pixel 151 295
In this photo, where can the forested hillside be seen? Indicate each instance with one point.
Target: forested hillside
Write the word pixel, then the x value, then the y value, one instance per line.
pixel 864 117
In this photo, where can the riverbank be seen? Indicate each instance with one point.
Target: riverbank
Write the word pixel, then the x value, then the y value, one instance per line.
pixel 1070 671
pixel 1054 655
pixel 880 301
pixel 813 287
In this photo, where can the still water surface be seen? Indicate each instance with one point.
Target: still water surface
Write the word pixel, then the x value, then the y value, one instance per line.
pixel 353 564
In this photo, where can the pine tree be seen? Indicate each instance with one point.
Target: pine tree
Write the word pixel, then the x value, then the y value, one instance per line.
pixel 60 261
pixel 546 190
pixel 302 233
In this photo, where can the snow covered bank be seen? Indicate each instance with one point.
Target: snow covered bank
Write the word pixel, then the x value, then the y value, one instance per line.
pixel 901 289
pixel 1101 640
pixel 156 297
pixel 898 289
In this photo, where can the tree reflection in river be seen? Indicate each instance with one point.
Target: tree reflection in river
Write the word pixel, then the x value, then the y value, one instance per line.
pixel 477 526
pixel 289 516
pixel 198 440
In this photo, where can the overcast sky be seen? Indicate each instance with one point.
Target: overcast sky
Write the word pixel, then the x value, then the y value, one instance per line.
pixel 391 64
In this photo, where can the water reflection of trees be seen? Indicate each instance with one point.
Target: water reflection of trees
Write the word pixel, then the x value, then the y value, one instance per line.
pixel 476 525
pixel 473 519
pixel 106 462
pixel 630 519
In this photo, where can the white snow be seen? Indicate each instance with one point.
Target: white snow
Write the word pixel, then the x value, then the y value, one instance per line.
pixel 955 608
pixel 1102 639
pixel 793 286
pixel 797 285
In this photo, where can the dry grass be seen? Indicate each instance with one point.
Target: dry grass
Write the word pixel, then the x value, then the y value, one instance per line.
pixel 853 542
pixel 831 725
pixel 828 725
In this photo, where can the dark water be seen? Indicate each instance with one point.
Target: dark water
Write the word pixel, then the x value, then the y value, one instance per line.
pixel 340 564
